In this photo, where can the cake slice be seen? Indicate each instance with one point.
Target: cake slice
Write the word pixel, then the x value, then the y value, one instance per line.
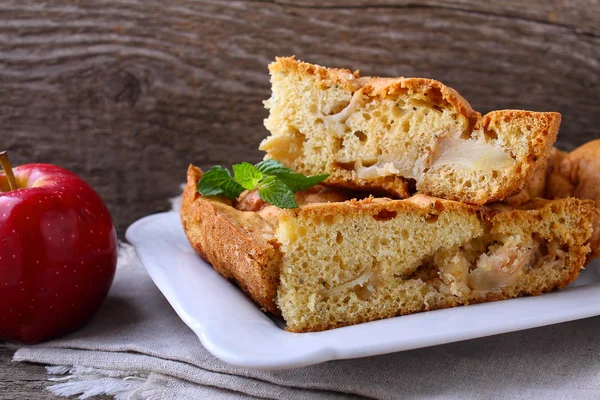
pixel 578 174
pixel 537 185
pixel 340 262
pixel 388 134
pixel 574 174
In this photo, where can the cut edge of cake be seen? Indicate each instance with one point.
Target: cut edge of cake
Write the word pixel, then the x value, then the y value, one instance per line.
pixel 392 134
pixel 253 248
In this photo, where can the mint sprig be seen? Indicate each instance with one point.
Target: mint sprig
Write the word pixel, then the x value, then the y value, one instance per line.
pixel 218 181
pixel 275 182
pixel 275 192
pixel 296 182
pixel 272 167
pixel 247 175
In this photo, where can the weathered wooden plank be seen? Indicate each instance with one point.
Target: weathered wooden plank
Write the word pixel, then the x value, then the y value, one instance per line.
pixel 128 93
pixel 581 15
pixel 23 381
pixel 11 371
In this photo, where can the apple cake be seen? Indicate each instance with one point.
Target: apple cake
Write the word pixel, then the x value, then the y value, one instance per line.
pixel 568 174
pixel 339 260
pixel 392 135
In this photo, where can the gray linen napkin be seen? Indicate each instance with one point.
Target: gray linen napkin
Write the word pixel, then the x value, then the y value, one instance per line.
pixel 136 347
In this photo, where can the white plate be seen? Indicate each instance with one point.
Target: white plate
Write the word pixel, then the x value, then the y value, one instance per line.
pixel 233 328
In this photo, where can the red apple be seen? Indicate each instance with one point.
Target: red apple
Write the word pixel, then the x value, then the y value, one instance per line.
pixel 58 252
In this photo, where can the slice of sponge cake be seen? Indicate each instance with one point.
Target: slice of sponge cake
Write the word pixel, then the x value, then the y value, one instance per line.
pixel 353 262
pixel 326 265
pixel 386 134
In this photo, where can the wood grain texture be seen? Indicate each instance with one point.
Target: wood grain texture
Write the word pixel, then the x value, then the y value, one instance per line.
pixel 128 93
pixel 22 381
pixel 579 15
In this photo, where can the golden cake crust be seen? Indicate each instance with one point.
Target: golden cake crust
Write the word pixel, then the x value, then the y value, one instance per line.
pixel 574 174
pixel 241 245
pixel 375 87
pixel 542 127
pixel 502 220
pixel 578 174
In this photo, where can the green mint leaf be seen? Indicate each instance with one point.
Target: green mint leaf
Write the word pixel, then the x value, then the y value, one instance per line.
pixel 273 167
pixel 218 181
pixel 299 182
pixel 277 193
pixel 296 182
pixel 247 175
pixel 276 183
pixel 232 189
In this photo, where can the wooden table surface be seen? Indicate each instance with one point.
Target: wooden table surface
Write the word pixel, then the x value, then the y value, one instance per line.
pixel 22 381
pixel 128 93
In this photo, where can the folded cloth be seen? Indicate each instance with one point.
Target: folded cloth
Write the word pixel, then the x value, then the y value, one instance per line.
pixel 136 347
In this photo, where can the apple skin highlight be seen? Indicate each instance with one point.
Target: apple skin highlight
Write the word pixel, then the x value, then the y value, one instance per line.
pixel 58 253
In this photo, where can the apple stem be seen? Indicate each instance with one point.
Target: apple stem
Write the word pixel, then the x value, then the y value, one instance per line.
pixel 5 163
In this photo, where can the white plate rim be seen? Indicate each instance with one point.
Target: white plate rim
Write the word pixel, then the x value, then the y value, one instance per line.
pixel 230 326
